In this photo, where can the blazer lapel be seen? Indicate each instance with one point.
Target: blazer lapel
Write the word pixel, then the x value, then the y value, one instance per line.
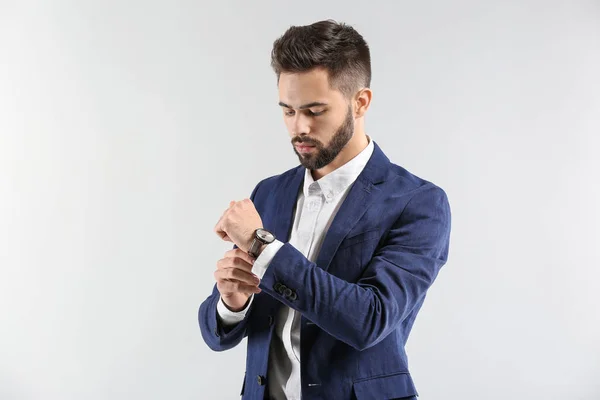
pixel 286 198
pixel 280 221
pixel 363 193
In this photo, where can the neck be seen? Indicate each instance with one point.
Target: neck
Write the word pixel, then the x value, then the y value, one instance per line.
pixel 357 144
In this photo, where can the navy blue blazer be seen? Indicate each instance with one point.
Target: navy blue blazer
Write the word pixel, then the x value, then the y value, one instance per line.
pixel 360 298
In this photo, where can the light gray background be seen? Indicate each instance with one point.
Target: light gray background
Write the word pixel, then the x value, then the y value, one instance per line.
pixel 127 127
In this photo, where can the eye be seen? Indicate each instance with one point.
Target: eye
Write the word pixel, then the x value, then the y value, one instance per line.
pixel 289 112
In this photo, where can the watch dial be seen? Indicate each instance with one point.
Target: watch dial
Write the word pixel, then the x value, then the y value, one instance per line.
pixel 265 235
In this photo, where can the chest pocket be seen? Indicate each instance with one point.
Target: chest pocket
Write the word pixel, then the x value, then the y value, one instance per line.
pixel 354 254
pixel 358 238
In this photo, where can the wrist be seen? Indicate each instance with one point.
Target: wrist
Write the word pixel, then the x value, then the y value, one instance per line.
pixel 262 248
pixel 237 308
pixel 262 238
pixel 258 251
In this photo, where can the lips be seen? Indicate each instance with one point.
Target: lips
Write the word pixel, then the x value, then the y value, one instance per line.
pixel 304 148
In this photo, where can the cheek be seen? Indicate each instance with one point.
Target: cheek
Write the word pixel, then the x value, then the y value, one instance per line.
pixel 325 126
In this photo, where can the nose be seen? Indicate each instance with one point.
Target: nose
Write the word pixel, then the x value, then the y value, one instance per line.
pixel 299 125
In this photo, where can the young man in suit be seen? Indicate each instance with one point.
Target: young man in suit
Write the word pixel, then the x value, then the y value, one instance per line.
pixel 332 259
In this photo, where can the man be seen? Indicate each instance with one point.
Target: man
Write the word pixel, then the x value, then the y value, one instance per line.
pixel 328 288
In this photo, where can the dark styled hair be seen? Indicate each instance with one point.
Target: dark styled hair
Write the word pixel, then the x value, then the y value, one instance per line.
pixel 334 46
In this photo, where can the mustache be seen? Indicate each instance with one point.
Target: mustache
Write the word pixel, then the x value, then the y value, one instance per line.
pixel 305 140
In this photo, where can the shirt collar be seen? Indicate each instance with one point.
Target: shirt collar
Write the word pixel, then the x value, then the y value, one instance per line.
pixel 336 182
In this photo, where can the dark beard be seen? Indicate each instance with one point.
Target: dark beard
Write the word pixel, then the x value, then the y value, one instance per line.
pixel 322 155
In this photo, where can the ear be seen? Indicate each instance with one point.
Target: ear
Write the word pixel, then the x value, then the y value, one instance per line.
pixel 362 101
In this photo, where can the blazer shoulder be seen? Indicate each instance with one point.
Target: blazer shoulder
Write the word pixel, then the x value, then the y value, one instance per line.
pixel 407 182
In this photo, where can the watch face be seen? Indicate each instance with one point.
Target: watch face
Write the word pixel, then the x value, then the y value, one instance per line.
pixel 265 235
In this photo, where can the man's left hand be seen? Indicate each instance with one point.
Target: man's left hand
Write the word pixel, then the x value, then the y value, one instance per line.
pixel 238 223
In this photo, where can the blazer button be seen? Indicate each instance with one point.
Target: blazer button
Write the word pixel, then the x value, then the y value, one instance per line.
pixel 293 296
pixel 276 286
pixel 261 380
pixel 287 292
pixel 270 320
pixel 217 332
pixel 281 289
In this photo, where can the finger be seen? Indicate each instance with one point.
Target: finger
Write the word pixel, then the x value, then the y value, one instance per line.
pixel 222 235
pixel 233 262
pixel 239 259
pixel 219 229
pixel 220 223
pixel 239 253
pixel 236 287
pixel 235 274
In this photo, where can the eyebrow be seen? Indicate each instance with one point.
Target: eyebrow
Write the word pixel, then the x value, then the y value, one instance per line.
pixel 304 106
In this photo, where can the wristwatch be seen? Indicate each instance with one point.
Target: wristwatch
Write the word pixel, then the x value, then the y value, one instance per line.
pixel 261 237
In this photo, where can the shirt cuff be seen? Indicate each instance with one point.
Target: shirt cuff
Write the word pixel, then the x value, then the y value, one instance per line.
pixel 264 259
pixel 229 317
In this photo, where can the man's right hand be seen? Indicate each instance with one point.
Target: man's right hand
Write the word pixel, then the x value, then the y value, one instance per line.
pixel 235 280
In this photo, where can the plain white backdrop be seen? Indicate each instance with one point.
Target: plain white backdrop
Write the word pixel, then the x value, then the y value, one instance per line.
pixel 127 127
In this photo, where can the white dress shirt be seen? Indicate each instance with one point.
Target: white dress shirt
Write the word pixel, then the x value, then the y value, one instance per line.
pixel 317 206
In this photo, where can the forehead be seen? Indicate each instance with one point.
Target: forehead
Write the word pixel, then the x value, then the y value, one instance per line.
pixel 299 88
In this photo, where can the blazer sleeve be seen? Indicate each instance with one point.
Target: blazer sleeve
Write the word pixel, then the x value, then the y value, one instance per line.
pixel 403 268
pixel 217 335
